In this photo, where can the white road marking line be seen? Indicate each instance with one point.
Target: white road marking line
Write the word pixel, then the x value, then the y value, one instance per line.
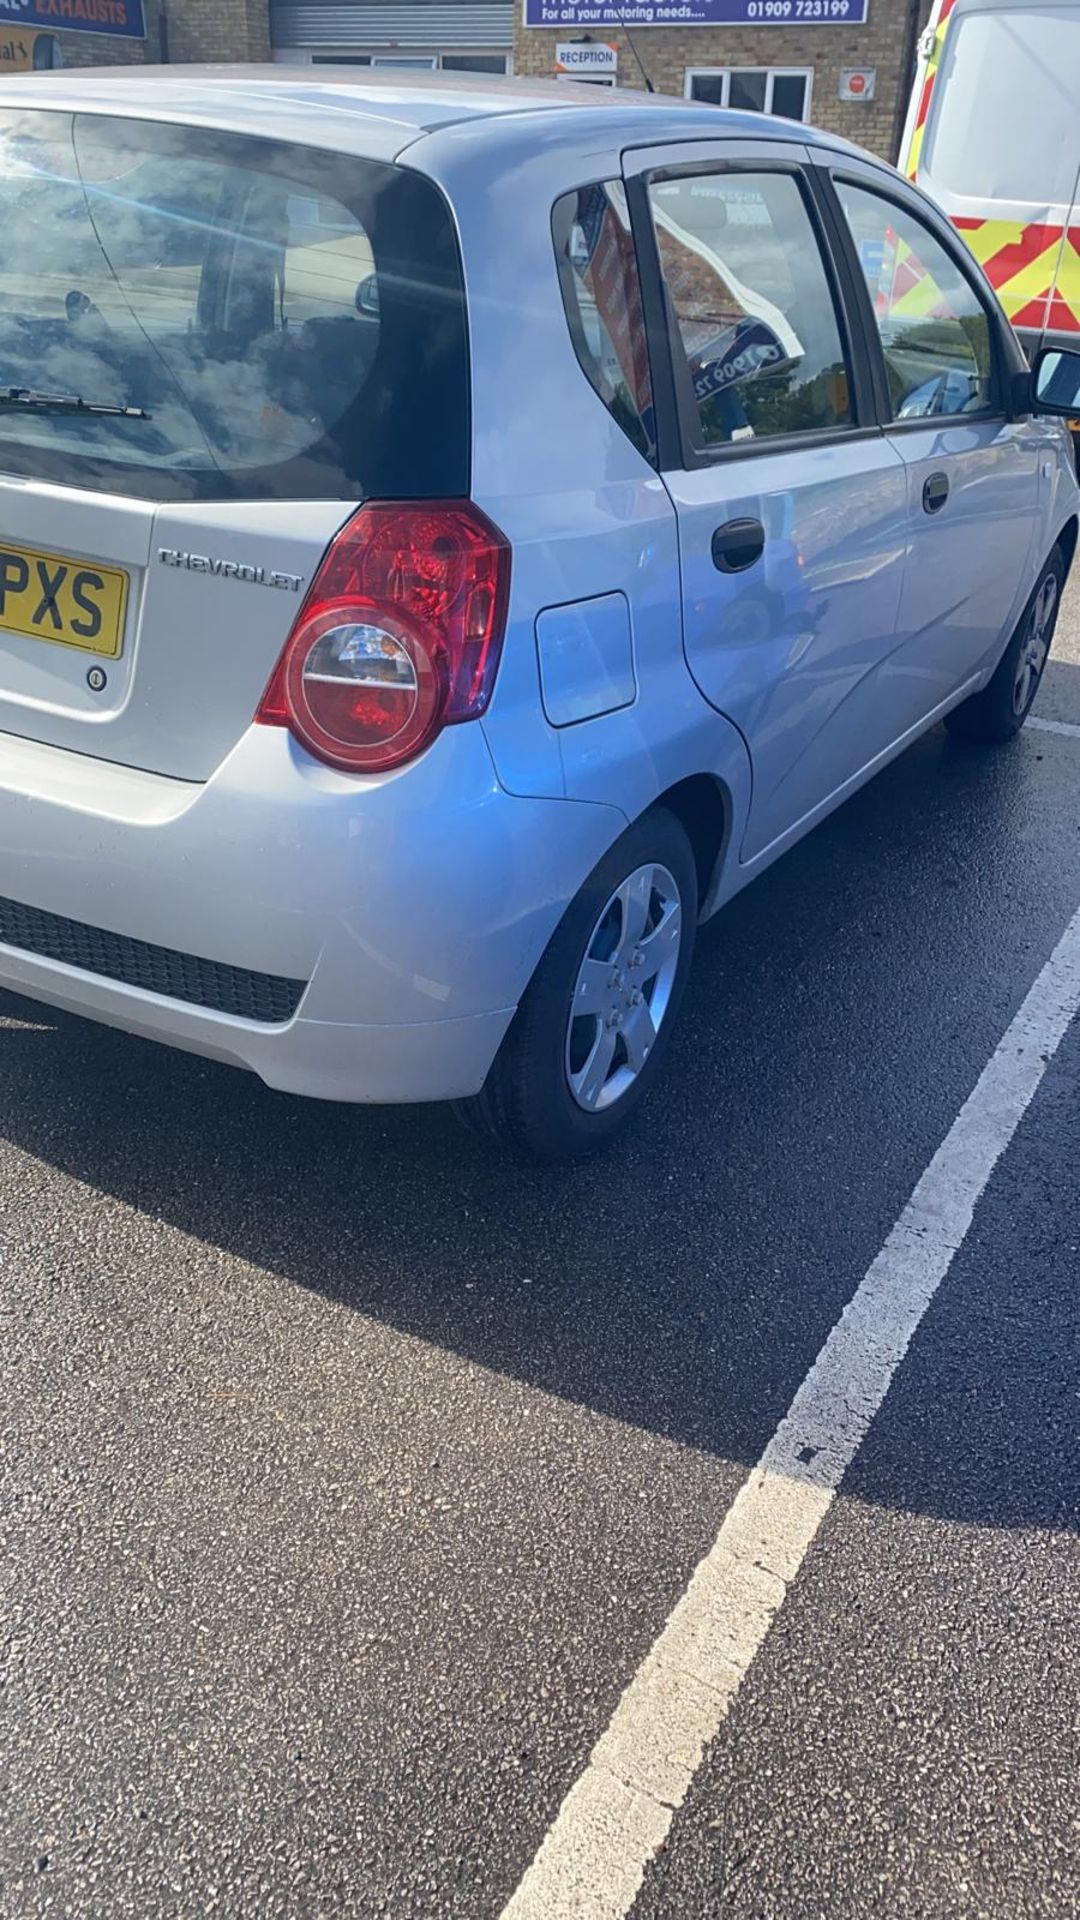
pixel 1054 726
pixel 592 1862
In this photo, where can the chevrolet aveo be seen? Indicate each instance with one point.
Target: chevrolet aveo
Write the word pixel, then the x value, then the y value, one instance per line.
pixel 452 538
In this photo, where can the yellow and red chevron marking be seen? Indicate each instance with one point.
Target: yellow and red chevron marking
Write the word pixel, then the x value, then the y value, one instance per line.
pixel 1034 269
pixel 911 159
pixel 914 293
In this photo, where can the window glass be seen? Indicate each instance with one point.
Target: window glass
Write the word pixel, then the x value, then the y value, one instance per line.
pixel 602 294
pixel 240 318
pixel 709 87
pixel 327 257
pixel 935 331
pixel 752 89
pixel 751 304
pixel 473 63
pixel 789 96
pixel 747 91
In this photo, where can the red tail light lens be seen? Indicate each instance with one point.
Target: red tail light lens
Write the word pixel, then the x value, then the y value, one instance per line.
pixel 399 636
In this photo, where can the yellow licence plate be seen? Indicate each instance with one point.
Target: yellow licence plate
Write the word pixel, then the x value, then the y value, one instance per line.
pixel 48 596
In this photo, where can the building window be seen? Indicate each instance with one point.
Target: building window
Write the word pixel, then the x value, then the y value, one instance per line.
pixel 749 293
pixel 413 62
pixel 473 63
pixel 782 90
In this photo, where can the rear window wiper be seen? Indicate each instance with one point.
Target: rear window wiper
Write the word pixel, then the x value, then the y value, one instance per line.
pixel 36 402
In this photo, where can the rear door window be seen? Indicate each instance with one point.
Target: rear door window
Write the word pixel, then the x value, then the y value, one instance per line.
pixel 186 314
pixel 751 305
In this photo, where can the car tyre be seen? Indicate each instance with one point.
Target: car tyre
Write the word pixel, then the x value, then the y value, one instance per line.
pixel 999 711
pixel 589 1038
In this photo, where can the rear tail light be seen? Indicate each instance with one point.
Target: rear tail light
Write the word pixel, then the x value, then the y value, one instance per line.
pixel 399 636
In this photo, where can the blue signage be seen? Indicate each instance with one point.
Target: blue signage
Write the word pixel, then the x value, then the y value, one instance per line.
pixel 748 348
pixel 581 14
pixel 124 18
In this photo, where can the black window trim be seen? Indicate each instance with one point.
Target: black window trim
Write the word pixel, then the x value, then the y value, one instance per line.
pixel 869 180
pixel 677 414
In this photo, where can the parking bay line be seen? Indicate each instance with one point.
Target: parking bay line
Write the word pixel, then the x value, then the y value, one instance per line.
pixel 592 1862
pixel 1066 727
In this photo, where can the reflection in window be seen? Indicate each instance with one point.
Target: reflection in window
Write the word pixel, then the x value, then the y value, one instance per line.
pixel 602 295
pixel 254 317
pixel 751 301
pixel 935 331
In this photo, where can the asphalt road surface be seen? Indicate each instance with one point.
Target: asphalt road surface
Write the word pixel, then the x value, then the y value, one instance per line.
pixel 348 1474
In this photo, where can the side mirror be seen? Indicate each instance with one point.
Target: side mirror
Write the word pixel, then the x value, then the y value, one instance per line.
pixel 367 296
pixel 1056 380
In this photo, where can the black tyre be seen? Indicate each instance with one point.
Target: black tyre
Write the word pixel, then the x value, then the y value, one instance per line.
pixel 590 1035
pixel 999 711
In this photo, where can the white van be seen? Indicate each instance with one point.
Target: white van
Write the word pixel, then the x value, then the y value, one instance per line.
pixel 993 133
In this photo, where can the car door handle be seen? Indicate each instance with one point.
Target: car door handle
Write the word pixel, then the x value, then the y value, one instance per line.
pixel 737 544
pixel 935 492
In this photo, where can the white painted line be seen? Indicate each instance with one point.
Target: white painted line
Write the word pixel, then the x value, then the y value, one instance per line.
pixel 1054 726
pixel 618 1812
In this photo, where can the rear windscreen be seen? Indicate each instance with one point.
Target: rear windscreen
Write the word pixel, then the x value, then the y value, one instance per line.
pixel 192 315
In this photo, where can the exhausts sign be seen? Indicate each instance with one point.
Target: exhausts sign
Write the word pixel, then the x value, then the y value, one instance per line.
pixel 124 18
pixel 695 13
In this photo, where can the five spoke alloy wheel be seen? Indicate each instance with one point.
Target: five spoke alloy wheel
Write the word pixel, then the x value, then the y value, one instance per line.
pixel 591 1032
pixel 623 990
pixel 1035 644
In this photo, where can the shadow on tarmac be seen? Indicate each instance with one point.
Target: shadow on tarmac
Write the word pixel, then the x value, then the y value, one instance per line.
pixel 840 1012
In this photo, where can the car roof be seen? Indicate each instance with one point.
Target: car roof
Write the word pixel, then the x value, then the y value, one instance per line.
pixel 376 113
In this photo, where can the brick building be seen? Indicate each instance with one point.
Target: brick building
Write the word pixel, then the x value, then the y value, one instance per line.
pixel 848 70
pixel 849 74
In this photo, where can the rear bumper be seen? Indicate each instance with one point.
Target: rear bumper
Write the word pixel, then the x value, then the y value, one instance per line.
pixel 414 908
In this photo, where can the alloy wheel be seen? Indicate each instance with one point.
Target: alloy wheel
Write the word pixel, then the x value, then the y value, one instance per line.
pixel 1035 645
pixel 623 989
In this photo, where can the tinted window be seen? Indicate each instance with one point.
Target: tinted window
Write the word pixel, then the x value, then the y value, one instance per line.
pixel 935 331
pixel 747 91
pixel 789 96
pixel 710 87
pixel 602 295
pixel 473 63
pixel 752 306
pixel 277 321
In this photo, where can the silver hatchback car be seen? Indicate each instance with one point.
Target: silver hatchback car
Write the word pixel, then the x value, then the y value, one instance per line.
pixel 452 537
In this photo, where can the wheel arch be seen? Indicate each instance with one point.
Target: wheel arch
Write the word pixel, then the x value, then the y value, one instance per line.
pixel 705 808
